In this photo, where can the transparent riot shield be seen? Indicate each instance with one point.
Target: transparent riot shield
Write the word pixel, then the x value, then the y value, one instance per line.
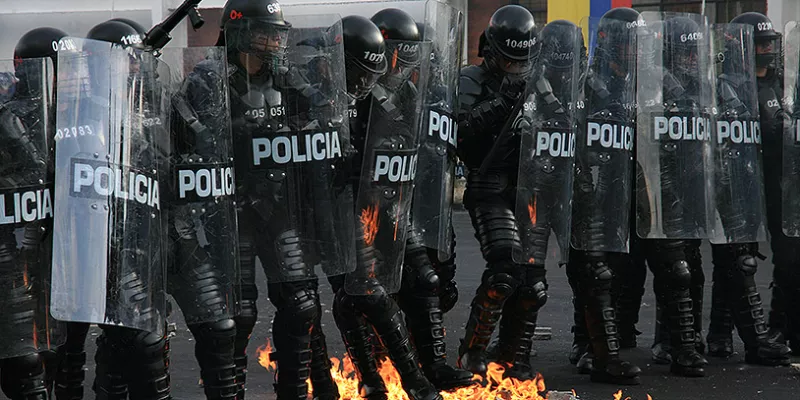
pixel 605 139
pixel 389 167
pixel 290 145
pixel 674 127
pixel 111 145
pixel 547 148
pixel 433 197
pixel 204 247
pixel 26 215
pixel 738 188
pixel 790 179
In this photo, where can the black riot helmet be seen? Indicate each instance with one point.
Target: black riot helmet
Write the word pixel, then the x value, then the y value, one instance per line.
pixel 117 32
pixel 255 28
pixel 365 55
pixel 37 43
pixel 509 44
pixel 559 41
pixel 682 42
pixel 767 41
pixel 616 37
pixel 403 42
pixel 133 24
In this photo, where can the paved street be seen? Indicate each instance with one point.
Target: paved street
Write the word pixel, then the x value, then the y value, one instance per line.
pixel 727 379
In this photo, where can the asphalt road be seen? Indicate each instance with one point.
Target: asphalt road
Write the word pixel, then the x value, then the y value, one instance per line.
pixel 726 379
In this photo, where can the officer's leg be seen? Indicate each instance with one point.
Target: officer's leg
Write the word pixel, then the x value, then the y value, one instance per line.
pixel 383 313
pixel 71 359
pixel 496 230
pixel 596 282
pixel 321 380
pixel 446 270
pixel 748 314
pixel 668 260
pixel 783 321
pixel 519 320
pixel 110 356
pixel 580 337
pixel 695 260
pixel 246 320
pixel 356 337
pixel 661 348
pixel 630 274
pixel 23 378
pixel 420 303
pixel 720 339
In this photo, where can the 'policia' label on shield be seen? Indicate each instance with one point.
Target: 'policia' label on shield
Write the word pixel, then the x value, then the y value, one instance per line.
pixel 602 134
pixel 394 167
pixel 442 125
pixel 200 182
pixel 23 205
pixel 739 131
pixel 554 143
pixel 101 180
pixel 681 127
pixel 295 148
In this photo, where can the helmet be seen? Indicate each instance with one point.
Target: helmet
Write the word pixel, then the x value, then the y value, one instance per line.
pixel 365 55
pixel 682 46
pixel 509 42
pixel 616 37
pixel 402 47
pixel 559 40
pixel 117 32
pixel 257 28
pixel 768 46
pixel 36 43
pixel 135 25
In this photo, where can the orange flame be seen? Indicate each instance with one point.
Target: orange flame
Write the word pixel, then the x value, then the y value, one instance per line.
pixel 532 211
pixel 498 387
pixel 370 218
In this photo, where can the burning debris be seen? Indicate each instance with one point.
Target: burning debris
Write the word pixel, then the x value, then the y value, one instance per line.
pixel 496 386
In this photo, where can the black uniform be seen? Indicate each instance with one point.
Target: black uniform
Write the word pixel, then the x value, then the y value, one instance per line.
pixel 378 120
pixel 487 93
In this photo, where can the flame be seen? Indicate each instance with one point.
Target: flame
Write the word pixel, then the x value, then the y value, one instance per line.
pixel 370 218
pixel 496 388
pixel 532 211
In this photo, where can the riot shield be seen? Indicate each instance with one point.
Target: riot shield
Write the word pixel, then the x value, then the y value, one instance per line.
pixel 547 148
pixel 433 196
pixel 790 179
pixel 605 140
pixel 111 146
pixel 291 148
pixel 389 166
pixel 202 210
pixel 738 176
pixel 26 215
pixel 674 127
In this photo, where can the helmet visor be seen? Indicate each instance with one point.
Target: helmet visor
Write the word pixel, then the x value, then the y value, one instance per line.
pixel 360 81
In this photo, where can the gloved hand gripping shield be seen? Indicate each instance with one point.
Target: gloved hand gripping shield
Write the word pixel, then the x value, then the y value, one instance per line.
pixel 547 126
pixel 738 187
pixel 112 145
pixel 433 196
pixel 605 138
pixel 26 219
pixel 390 161
pixel 202 210
pixel 294 139
pixel 674 127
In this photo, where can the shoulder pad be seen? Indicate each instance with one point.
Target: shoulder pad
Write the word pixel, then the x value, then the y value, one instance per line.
pixel 379 94
pixel 471 82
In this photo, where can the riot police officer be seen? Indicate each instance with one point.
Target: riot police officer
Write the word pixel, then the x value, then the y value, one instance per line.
pixel 601 222
pixel 487 94
pixel 784 320
pixel 263 99
pixel 25 268
pixel 382 119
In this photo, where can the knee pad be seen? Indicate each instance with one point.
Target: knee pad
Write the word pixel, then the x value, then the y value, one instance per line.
pixel 747 265
pixel 496 230
pixel 247 318
pixel 448 296
pixel 297 304
pixel 500 284
pixel 679 274
pixel 533 290
pixel 218 334
pixel 419 273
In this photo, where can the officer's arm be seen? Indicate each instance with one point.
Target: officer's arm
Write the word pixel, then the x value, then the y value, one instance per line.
pixel 729 99
pixel 199 111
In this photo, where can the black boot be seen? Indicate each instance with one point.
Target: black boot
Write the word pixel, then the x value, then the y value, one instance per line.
pixel 607 367
pixel 356 335
pixel 293 358
pixel 24 378
pixel 720 339
pixel 395 337
pixel 71 357
pixel 214 344
pixel 427 327
pixel 749 316
pixel 483 318
pixel 245 322
pixel 695 261
pixel 109 383
pixel 321 380
pixel 661 349
pixel 627 293
pixel 580 338
pixel 686 361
